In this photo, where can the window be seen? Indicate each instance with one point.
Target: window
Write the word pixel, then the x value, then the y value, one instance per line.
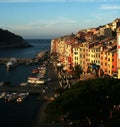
pixel 108 59
pixel 80 55
pixel 83 55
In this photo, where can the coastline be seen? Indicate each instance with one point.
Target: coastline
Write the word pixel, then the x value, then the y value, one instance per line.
pixel 44 119
pixel 41 119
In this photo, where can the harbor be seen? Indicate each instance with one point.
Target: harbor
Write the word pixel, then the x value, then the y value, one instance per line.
pixel 34 84
pixel 25 113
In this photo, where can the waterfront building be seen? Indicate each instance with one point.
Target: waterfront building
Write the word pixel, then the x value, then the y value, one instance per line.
pixel 84 58
pixel 54 45
pixel 91 46
pixel 111 62
pixel 94 55
pixel 80 55
pixel 108 57
pixel 103 60
pixel 76 55
pixel 70 42
pixel 68 57
pixel 61 50
pixel 118 52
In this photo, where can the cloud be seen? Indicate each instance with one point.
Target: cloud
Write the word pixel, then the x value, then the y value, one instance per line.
pixel 110 7
pixel 51 23
pixel 45 25
pixel 5 1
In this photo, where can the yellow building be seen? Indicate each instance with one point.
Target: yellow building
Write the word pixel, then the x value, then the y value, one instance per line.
pixel 80 55
pixel 61 50
pixel 68 56
pixel 94 55
pixel 109 63
pixel 76 55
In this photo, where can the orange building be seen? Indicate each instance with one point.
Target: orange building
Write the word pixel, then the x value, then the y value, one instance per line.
pixel 103 61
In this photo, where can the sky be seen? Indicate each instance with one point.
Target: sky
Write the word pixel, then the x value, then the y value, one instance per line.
pixel 48 19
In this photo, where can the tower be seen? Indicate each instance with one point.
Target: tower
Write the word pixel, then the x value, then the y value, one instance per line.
pixel 118 51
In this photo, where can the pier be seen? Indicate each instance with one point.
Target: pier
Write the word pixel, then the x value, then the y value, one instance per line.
pixel 41 56
pixel 38 58
pixel 20 60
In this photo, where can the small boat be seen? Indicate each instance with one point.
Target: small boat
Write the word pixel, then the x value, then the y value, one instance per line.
pixel 40 81
pixel 35 71
pixel 2 94
pixel 11 63
pixel 24 84
pixel 37 80
pixel 31 79
pixel 22 96
pixel 1 83
pixel 11 96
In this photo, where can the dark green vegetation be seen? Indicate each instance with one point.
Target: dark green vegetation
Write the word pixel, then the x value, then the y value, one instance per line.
pixel 8 39
pixel 93 101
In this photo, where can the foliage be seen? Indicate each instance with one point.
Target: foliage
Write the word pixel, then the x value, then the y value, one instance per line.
pixel 92 98
pixel 7 35
pixel 9 39
pixel 77 71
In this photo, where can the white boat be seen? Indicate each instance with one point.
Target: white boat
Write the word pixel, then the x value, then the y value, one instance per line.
pixel 2 94
pixel 24 84
pixel 12 62
pixel 1 83
pixel 40 81
pixel 36 80
pixel 11 96
pixel 22 96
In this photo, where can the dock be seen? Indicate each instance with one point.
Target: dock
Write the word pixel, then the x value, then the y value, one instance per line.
pixel 20 60
pixel 41 56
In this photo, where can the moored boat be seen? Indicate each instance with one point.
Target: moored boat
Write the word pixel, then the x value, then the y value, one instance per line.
pixel 1 83
pixel 24 84
pixel 37 80
pixel 35 71
pixel 11 63
pixel 22 96
pixel 11 96
pixel 2 94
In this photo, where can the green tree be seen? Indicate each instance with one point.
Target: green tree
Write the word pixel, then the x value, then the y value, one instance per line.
pixel 91 99
pixel 77 71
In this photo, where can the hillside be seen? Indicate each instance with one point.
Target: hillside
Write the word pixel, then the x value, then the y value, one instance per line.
pixel 11 40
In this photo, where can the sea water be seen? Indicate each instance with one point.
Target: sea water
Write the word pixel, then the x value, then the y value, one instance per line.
pixel 21 72
pixel 13 114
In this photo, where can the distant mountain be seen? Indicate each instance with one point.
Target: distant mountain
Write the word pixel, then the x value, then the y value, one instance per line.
pixel 11 40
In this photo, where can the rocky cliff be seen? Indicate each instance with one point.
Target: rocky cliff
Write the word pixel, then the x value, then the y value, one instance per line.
pixel 11 40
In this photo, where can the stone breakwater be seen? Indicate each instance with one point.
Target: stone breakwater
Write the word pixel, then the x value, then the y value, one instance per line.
pixel 41 56
pixel 19 60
